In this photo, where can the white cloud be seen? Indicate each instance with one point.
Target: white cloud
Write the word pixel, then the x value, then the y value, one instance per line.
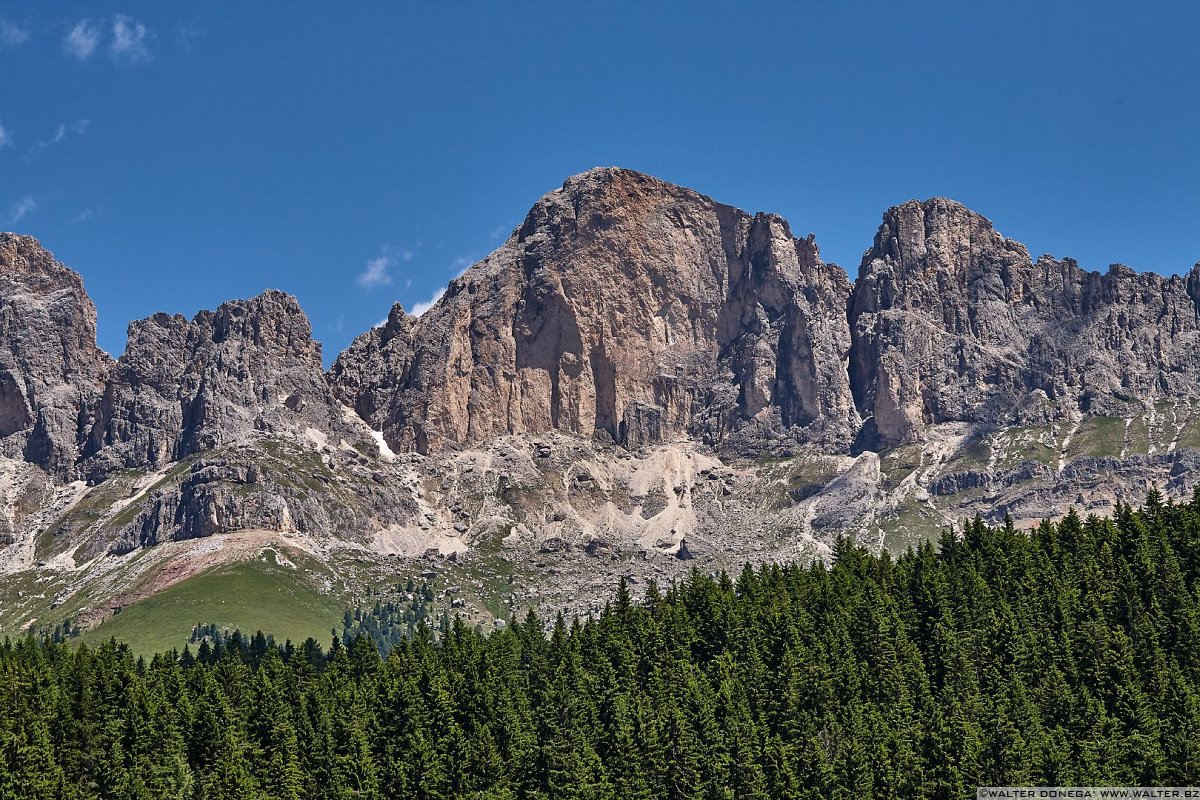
pixel 80 126
pixel 378 270
pixel 12 34
pixel 421 308
pixel 376 273
pixel 5 136
pixel 83 216
pixel 130 39
pixel 82 40
pixel 21 209
pixel 460 265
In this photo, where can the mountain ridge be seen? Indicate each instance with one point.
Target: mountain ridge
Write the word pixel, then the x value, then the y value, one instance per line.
pixel 639 372
pixel 934 254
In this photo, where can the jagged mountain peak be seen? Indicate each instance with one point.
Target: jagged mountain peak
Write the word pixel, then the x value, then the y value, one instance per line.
pixel 182 386
pixel 636 363
pixel 615 180
pixel 924 237
pixel 623 306
pixel 24 259
pixel 398 321
pixel 591 203
pixel 272 320
pixel 954 322
pixel 626 212
pixel 263 319
pixel 632 308
pixel 50 366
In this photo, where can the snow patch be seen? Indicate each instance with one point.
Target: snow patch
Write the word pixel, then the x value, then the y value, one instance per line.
pixel 351 416
pixel 385 452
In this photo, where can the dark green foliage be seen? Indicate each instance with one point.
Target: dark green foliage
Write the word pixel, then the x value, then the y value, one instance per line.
pixel 1067 656
pixel 391 621
pixel 60 632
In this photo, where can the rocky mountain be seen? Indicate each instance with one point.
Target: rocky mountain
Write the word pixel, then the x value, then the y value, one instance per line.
pixel 51 370
pixel 627 307
pixel 954 323
pixel 638 379
pixel 189 386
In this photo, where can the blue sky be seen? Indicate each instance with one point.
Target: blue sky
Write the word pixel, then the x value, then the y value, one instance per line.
pixel 178 155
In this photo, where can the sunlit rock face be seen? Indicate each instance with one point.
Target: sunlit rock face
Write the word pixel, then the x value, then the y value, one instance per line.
pixel 636 364
pixel 623 307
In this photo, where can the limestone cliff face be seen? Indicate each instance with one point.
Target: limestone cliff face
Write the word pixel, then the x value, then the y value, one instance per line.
pixel 368 374
pixel 51 371
pixel 624 314
pixel 954 323
pixel 1115 342
pixel 626 307
pixel 186 386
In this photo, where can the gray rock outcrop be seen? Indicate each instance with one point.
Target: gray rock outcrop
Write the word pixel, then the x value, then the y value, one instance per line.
pixel 187 386
pixel 952 322
pixel 610 368
pixel 51 371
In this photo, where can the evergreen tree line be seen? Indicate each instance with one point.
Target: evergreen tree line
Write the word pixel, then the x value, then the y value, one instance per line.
pixel 385 623
pixel 389 622
pixel 216 635
pixel 1065 655
pixel 67 628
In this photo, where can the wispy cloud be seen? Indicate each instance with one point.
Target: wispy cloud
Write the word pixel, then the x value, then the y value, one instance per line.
pixel 83 216
pixel 13 34
pixel 420 308
pixel 378 271
pixel 130 39
pixel 82 40
pixel 21 209
pixel 59 134
pixel 5 136
pixel 186 33
pixel 500 231
pixel 78 128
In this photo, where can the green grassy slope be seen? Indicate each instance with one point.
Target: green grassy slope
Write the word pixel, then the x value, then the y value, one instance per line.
pixel 250 595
